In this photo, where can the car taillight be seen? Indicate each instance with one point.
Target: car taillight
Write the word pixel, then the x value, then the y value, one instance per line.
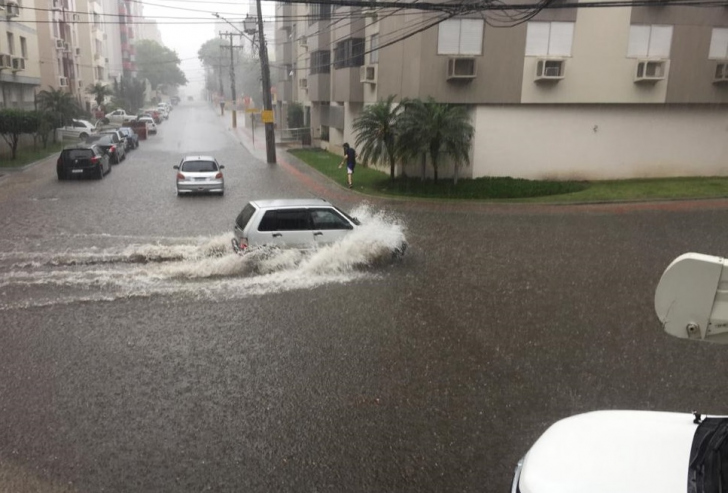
pixel 180 176
pixel 218 175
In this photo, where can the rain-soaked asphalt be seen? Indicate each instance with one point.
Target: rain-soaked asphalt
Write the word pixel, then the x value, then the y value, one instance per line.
pixel 137 355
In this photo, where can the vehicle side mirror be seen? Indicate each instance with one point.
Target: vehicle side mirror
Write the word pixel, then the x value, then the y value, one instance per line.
pixel 690 301
pixel 175 167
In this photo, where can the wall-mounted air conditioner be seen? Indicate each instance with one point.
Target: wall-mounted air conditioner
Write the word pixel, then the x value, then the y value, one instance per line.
pixel 368 74
pixel 6 61
pixel 460 68
pixel 650 70
pixel 12 9
pixel 303 83
pixel 549 69
pixel 63 82
pixel 721 73
pixel 18 63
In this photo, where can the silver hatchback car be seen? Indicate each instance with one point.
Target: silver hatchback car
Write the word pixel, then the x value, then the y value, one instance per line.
pixel 200 174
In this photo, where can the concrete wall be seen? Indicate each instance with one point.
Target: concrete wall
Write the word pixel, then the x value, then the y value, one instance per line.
pixel 600 141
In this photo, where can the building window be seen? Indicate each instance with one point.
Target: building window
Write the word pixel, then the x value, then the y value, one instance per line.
pixel 374 48
pixel 349 53
pixel 320 62
pixel 23 47
pixel 649 41
pixel 319 12
pixel 11 44
pixel 549 38
pixel 719 44
pixel 460 37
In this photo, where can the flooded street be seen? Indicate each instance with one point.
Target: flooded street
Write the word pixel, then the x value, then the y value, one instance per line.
pixel 139 353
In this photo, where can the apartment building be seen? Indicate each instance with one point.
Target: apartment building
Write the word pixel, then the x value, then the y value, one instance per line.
pixel 583 93
pixel 19 59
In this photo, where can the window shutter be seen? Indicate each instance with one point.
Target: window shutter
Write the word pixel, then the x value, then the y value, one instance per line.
pixel 660 41
pixel 448 37
pixel 639 40
pixel 561 38
pixel 537 38
pixel 471 36
pixel 719 43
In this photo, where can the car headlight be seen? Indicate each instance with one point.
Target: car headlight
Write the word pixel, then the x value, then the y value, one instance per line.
pixel 517 477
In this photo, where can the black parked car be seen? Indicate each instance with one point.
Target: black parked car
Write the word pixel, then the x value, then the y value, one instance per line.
pixel 82 160
pixel 132 139
pixel 111 143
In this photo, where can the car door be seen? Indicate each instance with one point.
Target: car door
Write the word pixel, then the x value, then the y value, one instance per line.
pixel 286 228
pixel 328 225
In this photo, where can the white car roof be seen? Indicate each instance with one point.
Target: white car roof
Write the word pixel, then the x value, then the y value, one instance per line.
pixel 611 452
pixel 274 203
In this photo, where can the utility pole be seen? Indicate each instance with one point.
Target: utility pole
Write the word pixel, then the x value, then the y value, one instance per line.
pixel 232 76
pixel 270 138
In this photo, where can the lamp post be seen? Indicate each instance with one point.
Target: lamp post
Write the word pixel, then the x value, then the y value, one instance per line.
pixel 249 26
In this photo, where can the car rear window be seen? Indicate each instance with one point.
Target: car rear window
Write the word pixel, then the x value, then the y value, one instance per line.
pixel 199 166
pixel 245 216
pixel 79 153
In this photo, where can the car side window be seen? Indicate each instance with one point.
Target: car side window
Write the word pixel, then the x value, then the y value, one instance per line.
pixel 328 219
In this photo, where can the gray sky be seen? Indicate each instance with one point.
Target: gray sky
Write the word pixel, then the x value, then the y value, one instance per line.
pixel 186 39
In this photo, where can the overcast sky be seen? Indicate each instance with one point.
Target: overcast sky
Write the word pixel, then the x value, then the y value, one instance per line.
pixel 186 39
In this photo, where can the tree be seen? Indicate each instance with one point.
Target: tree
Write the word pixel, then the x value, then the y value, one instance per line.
pixel 60 105
pixel 440 129
pixel 13 123
pixel 99 92
pixel 159 64
pixel 377 133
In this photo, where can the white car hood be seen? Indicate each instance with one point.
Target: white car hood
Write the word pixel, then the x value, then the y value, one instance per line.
pixel 611 452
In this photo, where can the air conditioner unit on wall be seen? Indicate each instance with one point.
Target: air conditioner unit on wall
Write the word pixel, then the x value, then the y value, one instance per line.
pixel 460 68
pixel 303 83
pixel 368 74
pixel 18 63
pixel 550 69
pixel 12 9
pixel 6 61
pixel 721 73
pixel 650 71
pixel 62 82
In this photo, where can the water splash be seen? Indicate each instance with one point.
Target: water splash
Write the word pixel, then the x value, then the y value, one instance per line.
pixel 202 268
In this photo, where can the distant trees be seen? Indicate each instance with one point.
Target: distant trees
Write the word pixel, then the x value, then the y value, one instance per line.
pixel 415 129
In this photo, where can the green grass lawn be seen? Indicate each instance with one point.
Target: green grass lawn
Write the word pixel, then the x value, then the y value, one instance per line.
pixel 372 181
pixel 30 155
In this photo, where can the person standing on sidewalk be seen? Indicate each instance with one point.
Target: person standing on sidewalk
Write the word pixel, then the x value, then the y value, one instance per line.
pixel 350 160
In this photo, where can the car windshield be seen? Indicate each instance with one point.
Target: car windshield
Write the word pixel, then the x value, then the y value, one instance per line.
pixel 199 166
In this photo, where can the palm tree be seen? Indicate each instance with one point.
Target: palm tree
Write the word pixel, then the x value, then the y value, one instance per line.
pixel 440 129
pixel 376 132
pixel 99 92
pixel 60 105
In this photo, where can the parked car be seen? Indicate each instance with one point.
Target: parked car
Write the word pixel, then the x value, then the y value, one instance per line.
pixel 111 143
pixel 82 160
pixel 151 126
pixel 132 139
pixel 627 452
pixel 78 129
pixel 200 174
pixel 291 223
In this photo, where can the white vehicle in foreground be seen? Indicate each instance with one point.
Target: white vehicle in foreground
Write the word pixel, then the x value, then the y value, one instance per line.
pixel 627 452
pixel 293 223
pixel 645 451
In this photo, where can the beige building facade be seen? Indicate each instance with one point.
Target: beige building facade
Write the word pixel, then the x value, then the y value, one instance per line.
pixel 588 93
pixel 19 55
